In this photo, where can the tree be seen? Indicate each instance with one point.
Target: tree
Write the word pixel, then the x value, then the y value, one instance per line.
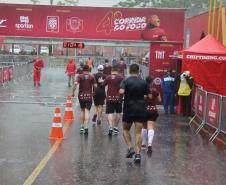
pixel 68 3
pixel 35 1
pixel 193 7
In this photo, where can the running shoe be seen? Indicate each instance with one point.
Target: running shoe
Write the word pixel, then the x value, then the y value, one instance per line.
pixel 86 131
pixel 130 152
pixel 81 129
pixel 143 147
pixel 94 119
pixel 137 158
pixel 116 130
pixel 110 132
pixel 149 152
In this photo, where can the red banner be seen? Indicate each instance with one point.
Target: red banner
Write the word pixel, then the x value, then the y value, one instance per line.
pixel 1 75
pixel 10 73
pixel 201 103
pixel 87 22
pixel 5 74
pixel 161 60
pixel 213 109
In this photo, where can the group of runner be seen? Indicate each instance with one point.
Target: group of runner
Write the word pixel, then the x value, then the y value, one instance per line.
pixel 133 96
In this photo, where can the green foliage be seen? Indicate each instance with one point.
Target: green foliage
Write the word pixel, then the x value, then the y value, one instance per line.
pixel 193 7
pixel 68 3
pixel 35 1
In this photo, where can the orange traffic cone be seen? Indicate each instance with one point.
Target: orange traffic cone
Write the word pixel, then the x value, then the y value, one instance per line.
pixel 68 113
pixel 57 128
pixel 69 100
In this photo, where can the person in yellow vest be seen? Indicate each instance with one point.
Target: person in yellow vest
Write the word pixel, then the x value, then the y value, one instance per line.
pixel 184 92
pixel 90 64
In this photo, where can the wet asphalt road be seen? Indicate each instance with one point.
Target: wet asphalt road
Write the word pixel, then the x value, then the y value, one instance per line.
pixel 179 156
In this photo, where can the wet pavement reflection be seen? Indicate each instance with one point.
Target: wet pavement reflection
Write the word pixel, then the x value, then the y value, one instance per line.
pixel 180 157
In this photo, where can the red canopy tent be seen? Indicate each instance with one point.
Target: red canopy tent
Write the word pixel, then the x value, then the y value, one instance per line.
pixel 206 61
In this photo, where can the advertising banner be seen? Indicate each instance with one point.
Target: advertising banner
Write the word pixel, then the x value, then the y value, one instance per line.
pixel 213 110
pixel 160 60
pixel 5 74
pixel 1 75
pixel 201 103
pixel 10 73
pixel 89 22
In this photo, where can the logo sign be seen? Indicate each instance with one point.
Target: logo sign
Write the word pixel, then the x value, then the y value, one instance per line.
pixel 52 24
pixel 115 21
pixel 201 103
pixel 213 109
pixel 2 23
pixel 79 45
pixel 157 81
pixel 74 24
pixel 160 54
pixel 24 24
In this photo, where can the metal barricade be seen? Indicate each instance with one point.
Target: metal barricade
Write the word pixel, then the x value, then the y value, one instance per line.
pixel 223 115
pixel 210 109
pixel 201 107
pixel 1 75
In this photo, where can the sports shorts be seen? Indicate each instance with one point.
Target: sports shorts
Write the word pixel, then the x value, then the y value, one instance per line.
pixel 112 107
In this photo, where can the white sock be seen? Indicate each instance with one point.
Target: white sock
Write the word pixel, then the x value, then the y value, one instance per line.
pixel 144 135
pixel 150 136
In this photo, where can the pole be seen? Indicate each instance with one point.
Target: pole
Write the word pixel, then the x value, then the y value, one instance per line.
pixel 209 16
pixel 223 26
pixel 213 17
pixel 219 19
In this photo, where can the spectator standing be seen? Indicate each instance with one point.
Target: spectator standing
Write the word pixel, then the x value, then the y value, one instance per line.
pixel 184 92
pixel 169 89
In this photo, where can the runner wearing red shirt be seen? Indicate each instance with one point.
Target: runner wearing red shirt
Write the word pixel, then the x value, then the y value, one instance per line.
pixel 86 84
pixel 80 69
pixel 38 65
pixel 152 115
pixel 113 99
pixel 70 70
pixel 107 67
pixel 122 67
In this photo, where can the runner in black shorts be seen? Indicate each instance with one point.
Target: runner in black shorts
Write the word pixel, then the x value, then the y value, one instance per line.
pixel 99 96
pixel 135 90
pixel 114 101
pixel 152 115
pixel 86 84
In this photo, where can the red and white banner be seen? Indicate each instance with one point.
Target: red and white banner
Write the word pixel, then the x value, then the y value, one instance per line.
pixel 160 60
pixel 87 22
pixel 5 74
pixel 201 103
pixel 10 71
pixel 1 75
pixel 213 110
